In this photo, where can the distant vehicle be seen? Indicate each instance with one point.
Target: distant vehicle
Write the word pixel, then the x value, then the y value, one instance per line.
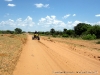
pixel 36 36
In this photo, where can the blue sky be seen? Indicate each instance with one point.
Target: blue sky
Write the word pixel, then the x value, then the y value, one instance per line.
pixel 42 15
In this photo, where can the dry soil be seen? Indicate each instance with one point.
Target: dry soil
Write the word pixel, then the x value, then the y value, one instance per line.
pixel 48 57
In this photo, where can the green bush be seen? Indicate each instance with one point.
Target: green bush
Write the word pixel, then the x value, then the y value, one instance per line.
pixel 95 30
pixel 98 42
pixel 18 31
pixel 54 35
pixel 89 37
pixel 64 35
pixel 48 37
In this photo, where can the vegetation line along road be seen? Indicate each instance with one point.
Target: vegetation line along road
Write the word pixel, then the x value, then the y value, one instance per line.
pixel 11 43
pixel 81 31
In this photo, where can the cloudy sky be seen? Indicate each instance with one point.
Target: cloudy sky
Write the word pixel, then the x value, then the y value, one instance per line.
pixel 42 15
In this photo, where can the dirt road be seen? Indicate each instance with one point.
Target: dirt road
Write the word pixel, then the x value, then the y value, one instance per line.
pixel 52 58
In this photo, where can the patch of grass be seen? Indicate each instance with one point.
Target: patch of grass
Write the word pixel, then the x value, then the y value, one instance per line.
pixel 10 49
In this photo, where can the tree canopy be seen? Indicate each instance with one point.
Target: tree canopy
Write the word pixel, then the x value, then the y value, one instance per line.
pixel 52 31
pixel 18 31
pixel 81 28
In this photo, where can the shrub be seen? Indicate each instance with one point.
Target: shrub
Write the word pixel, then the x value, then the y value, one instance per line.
pixel 95 30
pixel 48 37
pixel 98 42
pixel 18 31
pixel 89 37
pixel 64 35
pixel 81 28
pixel 54 35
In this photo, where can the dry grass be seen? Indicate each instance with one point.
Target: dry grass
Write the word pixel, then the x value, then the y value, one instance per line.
pixel 10 49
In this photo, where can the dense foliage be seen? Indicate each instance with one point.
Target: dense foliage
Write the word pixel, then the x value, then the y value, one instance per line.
pixel 95 30
pixel 15 31
pixel 89 37
pixel 83 30
pixel 52 31
pixel 18 31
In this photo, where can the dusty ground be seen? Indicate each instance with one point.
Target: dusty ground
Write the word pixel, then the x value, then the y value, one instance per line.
pixel 58 57
pixel 10 50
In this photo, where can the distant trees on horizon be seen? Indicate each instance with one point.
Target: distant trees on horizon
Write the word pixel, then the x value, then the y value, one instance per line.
pixel 16 31
pixel 83 30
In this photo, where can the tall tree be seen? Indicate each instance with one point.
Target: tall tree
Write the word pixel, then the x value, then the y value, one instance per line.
pixel 64 30
pixel 18 31
pixel 52 31
pixel 70 32
pixel 95 30
pixel 81 28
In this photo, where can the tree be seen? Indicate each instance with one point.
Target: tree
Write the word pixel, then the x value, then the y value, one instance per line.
pixel 18 31
pixel 70 32
pixel 52 31
pixel 9 32
pixel 95 30
pixel 81 28
pixel 0 32
pixel 47 33
pixel 64 30
pixel 58 33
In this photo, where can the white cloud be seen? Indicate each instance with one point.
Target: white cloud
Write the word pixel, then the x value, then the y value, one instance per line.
pixel 11 5
pixel 74 14
pixel 98 15
pixel 8 23
pixel 46 5
pixel 19 22
pixel 66 16
pixel 45 23
pixel 51 21
pixel 8 0
pixel 71 24
pixel 28 21
pixel 40 5
pixel 98 23
pixel 76 22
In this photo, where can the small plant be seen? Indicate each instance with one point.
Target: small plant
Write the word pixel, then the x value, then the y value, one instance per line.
pixel 98 42
pixel 48 37
pixel 65 35
pixel 1 34
pixel 54 35
pixel 89 37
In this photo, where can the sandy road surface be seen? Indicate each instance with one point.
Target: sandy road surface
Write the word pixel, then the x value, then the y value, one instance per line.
pixel 51 58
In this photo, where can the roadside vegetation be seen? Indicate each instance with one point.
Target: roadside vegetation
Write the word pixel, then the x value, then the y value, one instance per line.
pixel 15 31
pixel 98 42
pixel 81 30
pixel 11 43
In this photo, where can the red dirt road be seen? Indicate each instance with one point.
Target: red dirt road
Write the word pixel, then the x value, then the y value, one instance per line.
pixel 52 58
